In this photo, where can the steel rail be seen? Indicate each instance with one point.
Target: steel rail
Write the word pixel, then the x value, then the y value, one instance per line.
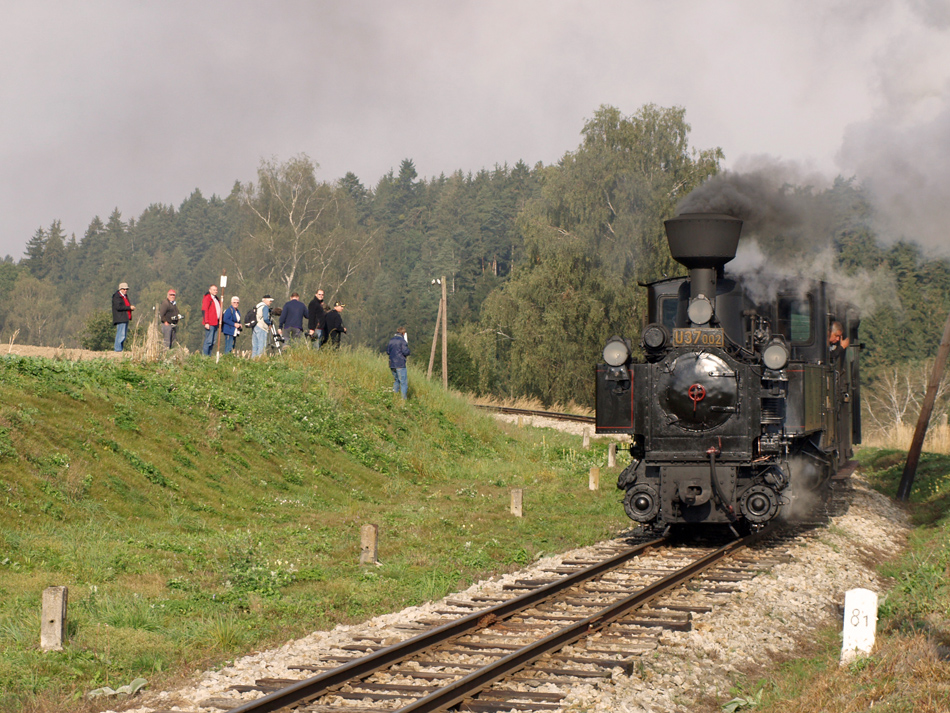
pixel 464 688
pixel 327 681
pixel 544 414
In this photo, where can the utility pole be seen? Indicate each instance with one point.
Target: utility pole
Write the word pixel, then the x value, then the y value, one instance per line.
pixel 445 336
pixel 917 444
pixel 443 320
pixel 435 340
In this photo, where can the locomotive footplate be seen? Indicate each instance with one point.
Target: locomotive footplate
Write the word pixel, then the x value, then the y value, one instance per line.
pixel 687 493
pixel 846 471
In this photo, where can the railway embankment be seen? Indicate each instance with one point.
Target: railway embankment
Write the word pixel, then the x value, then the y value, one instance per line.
pixel 198 510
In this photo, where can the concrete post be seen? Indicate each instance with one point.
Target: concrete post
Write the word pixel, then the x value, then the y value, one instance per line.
pixel 53 625
pixel 369 544
pixel 517 498
pixel 594 482
pixel 860 624
pixel 612 455
pixel 586 438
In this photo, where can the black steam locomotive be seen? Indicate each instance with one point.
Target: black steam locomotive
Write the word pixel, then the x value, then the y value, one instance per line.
pixel 740 412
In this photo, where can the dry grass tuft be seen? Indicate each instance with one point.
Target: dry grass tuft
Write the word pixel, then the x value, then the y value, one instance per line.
pixel 531 404
pixel 905 674
pixel 899 437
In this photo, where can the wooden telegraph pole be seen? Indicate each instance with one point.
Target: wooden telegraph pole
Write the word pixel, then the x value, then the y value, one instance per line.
pixel 443 320
pixel 445 336
pixel 917 444
pixel 435 339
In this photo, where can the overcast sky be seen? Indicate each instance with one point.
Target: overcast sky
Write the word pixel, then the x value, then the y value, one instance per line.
pixel 107 104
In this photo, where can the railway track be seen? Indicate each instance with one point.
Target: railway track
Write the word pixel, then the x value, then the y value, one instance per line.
pixel 543 414
pixel 525 648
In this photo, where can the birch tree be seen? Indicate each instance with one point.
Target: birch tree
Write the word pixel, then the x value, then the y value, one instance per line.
pixel 301 228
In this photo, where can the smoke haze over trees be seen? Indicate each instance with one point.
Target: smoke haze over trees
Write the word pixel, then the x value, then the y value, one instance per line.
pixel 542 261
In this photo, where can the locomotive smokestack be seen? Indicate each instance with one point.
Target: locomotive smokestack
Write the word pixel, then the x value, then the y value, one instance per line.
pixel 703 243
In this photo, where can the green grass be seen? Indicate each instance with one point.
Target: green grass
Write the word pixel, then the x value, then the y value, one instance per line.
pixel 909 670
pixel 197 511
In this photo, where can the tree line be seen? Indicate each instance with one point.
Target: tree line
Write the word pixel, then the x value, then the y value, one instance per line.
pixel 542 262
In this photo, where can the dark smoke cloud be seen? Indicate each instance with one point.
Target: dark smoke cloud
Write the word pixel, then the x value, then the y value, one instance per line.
pixel 787 232
pixel 776 201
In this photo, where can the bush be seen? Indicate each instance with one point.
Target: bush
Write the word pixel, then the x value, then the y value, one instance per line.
pixel 98 332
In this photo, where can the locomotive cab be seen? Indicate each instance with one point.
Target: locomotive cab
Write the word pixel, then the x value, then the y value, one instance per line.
pixel 734 412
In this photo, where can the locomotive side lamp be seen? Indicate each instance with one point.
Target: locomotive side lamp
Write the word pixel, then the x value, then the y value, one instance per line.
pixel 775 355
pixel 616 351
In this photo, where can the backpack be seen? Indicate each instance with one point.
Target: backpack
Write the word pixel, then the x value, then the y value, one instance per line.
pixel 251 319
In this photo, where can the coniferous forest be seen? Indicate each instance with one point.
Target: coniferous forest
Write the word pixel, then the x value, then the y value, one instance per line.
pixel 542 262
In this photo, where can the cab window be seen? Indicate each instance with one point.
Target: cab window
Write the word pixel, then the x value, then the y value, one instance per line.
pixel 795 319
pixel 668 309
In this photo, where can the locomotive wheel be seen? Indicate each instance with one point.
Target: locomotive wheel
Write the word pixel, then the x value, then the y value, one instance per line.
pixel 759 504
pixel 641 503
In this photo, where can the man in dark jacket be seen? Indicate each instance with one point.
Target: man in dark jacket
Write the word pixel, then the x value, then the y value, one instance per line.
pixel 292 316
pixel 334 329
pixel 398 350
pixel 316 316
pixel 121 314
pixel 169 315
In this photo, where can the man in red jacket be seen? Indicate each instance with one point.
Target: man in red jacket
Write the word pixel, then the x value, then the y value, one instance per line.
pixel 211 307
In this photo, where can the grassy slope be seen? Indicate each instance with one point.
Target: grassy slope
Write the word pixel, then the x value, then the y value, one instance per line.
pixel 909 671
pixel 198 510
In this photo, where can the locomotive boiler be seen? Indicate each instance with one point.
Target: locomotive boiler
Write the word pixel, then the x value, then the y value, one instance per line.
pixel 739 410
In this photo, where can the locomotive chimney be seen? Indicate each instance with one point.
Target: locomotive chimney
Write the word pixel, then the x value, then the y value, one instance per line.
pixel 703 243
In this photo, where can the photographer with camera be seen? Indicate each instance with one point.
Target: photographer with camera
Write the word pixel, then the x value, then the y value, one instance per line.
pixel 262 325
pixel 231 324
pixel 169 315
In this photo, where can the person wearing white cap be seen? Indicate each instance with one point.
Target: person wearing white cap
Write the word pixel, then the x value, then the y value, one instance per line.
pixel 263 321
pixel 169 315
pixel 121 314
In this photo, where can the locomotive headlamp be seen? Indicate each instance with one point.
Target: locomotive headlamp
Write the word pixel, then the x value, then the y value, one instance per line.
pixel 616 352
pixel 700 310
pixel 655 336
pixel 775 355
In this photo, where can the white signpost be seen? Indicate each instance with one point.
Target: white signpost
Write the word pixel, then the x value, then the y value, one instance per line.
pixel 860 624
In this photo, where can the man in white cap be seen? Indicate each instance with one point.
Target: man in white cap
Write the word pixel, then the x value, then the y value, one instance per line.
pixel 121 314
pixel 169 315
pixel 262 327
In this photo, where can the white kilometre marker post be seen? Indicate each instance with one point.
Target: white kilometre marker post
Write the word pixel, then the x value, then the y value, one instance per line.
pixel 860 624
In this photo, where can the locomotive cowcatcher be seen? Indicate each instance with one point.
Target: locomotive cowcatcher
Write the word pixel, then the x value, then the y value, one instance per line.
pixel 740 411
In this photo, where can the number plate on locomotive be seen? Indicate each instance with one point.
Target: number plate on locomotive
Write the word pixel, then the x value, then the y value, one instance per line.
pixel 698 338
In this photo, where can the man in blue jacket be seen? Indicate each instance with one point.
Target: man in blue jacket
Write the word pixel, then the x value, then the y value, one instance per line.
pixel 398 350
pixel 292 317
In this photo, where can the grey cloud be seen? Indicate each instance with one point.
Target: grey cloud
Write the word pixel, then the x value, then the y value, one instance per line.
pixel 111 103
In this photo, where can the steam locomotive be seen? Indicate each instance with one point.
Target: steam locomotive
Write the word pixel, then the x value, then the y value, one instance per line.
pixel 740 411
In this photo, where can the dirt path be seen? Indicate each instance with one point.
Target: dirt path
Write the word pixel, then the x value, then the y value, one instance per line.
pixel 57 352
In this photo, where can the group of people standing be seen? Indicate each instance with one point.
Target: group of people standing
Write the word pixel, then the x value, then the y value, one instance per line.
pixel 323 325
